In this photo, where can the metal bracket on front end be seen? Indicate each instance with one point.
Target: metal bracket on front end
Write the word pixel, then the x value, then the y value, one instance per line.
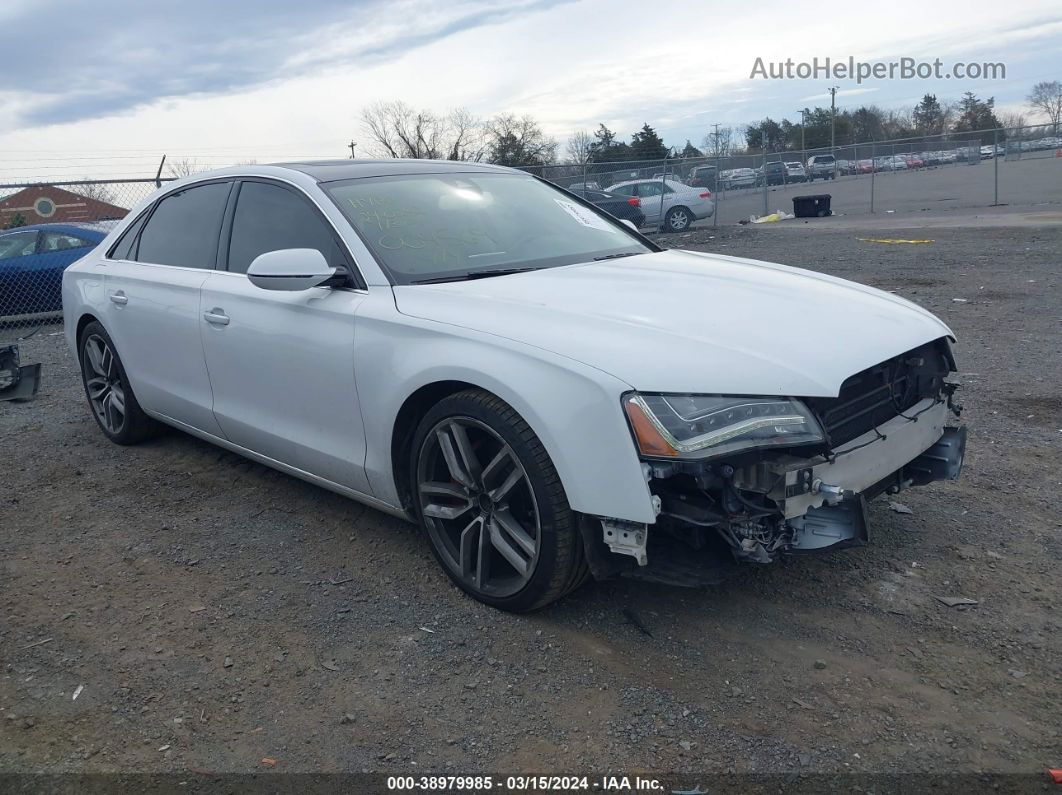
pixel 626 538
pixel 17 381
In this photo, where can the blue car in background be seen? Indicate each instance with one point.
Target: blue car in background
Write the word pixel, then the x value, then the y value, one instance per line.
pixel 32 261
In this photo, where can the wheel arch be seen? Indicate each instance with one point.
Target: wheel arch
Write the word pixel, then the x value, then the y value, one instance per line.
pixel 405 425
pixel 84 320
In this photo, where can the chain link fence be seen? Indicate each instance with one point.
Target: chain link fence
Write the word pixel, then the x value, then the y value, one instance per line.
pixel 46 225
pixel 958 170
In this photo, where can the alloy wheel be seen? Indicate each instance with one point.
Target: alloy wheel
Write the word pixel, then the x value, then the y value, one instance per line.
pixel 478 506
pixel 103 383
pixel 679 220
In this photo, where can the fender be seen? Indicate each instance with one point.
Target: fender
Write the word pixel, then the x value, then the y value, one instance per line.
pixel 561 399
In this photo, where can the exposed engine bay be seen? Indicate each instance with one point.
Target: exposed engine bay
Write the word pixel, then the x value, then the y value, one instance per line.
pixel 887 430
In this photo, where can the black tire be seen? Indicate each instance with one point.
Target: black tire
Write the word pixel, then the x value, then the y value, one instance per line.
pixel 490 426
pixel 135 425
pixel 680 216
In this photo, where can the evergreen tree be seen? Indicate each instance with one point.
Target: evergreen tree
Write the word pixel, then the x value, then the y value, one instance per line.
pixel 689 150
pixel 647 145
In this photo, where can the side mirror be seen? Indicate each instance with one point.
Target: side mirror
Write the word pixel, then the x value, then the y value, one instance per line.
pixel 290 269
pixel 630 224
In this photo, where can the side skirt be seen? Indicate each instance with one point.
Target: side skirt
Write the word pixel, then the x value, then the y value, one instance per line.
pixel 287 469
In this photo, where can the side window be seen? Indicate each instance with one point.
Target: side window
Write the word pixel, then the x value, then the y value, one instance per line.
pixel 626 190
pixel 17 244
pixel 184 228
pixel 125 248
pixel 58 241
pixel 269 218
pixel 649 189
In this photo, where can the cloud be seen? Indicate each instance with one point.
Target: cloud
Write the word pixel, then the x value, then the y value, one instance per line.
pixel 131 53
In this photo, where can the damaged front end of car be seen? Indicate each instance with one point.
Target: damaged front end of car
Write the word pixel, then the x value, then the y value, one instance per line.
pixel 740 479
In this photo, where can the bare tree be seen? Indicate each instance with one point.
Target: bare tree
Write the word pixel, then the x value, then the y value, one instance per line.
pixel 95 191
pixel 518 141
pixel 577 149
pixel 1012 120
pixel 719 142
pixel 396 129
pixel 465 134
pixel 1046 97
pixel 183 167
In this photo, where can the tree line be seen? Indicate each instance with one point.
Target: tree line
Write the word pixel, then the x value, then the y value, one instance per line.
pixel 929 117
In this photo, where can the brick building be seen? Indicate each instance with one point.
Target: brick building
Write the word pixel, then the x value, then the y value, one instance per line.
pixel 47 204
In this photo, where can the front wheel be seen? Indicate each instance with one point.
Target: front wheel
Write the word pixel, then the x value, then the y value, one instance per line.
pixel 493 506
pixel 678 219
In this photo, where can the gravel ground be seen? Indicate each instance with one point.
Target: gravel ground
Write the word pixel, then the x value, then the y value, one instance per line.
pixel 174 607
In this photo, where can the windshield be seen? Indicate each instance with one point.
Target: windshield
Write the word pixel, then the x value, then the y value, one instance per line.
pixel 430 227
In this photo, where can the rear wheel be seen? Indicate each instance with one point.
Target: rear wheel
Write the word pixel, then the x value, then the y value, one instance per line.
pixel 107 388
pixel 493 505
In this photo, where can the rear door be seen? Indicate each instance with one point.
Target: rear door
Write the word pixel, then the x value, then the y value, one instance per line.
pixel 281 363
pixel 152 283
pixel 652 197
pixel 58 249
pixel 18 292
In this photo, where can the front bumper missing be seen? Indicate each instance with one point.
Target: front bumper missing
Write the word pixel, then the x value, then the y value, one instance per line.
pixel 862 462
pixel 779 504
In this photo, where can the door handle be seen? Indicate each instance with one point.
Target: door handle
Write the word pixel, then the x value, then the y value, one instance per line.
pixel 216 316
pixel 119 298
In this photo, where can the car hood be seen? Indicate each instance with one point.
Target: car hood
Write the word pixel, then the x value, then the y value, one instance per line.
pixel 683 321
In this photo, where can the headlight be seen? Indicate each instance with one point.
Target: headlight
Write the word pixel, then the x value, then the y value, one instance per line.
pixel 706 426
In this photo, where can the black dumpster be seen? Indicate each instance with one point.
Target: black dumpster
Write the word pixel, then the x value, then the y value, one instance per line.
pixel 817 206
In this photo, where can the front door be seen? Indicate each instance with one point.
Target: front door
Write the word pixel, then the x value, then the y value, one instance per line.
pixel 281 364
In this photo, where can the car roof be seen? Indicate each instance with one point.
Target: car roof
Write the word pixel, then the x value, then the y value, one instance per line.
pixel 73 227
pixel 335 170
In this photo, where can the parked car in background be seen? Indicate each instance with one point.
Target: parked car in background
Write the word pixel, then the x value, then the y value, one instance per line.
pixel 668 203
pixel 548 395
pixel 626 208
pixel 794 172
pixel 821 167
pixel 774 173
pixel 912 160
pixel 734 178
pixel 704 177
pixel 864 166
pixel 32 261
pixel 890 163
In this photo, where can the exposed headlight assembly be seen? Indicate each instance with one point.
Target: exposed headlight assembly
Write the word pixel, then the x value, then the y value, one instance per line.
pixel 706 426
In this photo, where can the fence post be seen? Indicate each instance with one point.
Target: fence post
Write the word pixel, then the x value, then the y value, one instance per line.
pixel 873 170
pixel 765 198
pixel 715 183
pixel 995 165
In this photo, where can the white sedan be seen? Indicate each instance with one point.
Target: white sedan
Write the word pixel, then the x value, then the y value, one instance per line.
pixel 547 393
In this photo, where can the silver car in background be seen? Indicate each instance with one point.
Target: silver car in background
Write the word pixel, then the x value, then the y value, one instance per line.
pixel 737 178
pixel 668 203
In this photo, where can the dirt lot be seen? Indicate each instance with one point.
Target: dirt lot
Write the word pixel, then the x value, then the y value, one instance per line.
pixel 925 193
pixel 207 612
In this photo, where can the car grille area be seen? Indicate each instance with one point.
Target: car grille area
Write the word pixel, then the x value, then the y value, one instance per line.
pixel 879 393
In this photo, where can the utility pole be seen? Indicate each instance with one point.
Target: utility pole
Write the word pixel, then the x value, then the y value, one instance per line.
pixel 351 145
pixel 716 181
pixel 833 113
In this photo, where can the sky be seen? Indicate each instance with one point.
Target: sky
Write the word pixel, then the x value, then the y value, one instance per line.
pixel 105 88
